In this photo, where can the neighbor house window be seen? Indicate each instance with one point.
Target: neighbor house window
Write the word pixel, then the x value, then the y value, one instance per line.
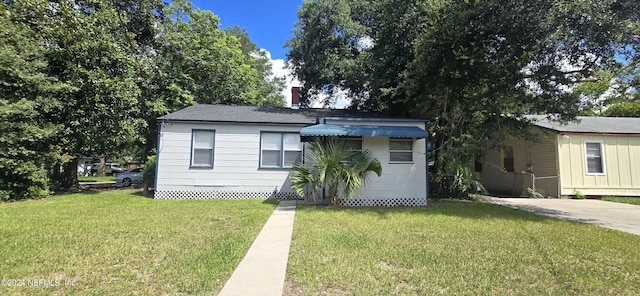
pixel 401 150
pixel 507 159
pixel 595 164
pixel 280 150
pixel 202 143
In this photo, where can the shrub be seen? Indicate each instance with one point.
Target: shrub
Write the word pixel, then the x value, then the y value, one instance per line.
pixel 455 180
pixel 149 173
pixel 330 171
pixel 22 180
pixel 578 194
pixel 533 193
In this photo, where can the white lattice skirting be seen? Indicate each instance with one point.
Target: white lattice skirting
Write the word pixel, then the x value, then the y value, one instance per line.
pixel 224 195
pixel 391 202
pixel 355 202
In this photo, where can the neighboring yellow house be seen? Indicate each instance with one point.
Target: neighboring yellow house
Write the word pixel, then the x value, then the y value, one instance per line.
pixel 596 156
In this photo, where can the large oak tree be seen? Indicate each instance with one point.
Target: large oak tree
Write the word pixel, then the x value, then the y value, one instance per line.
pixel 91 77
pixel 469 66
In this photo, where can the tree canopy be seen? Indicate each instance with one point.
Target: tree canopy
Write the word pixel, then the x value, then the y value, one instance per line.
pixel 91 77
pixel 469 66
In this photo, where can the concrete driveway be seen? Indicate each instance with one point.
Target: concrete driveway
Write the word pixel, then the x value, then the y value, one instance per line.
pixel 619 216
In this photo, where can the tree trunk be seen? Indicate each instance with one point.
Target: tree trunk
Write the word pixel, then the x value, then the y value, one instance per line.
pixel 65 175
pixel 101 164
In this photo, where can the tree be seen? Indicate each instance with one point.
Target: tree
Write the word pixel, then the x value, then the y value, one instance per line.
pixel 330 170
pixel 625 101
pixel 194 61
pixel 469 66
pixel 325 53
pixel 91 77
pixel 27 94
pixel 269 85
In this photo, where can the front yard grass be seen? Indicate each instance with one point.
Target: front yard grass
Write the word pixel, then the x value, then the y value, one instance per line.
pixel 629 200
pixel 120 243
pixel 456 248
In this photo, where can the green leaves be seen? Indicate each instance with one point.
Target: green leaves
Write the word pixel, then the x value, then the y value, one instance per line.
pixel 467 64
pixel 91 77
pixel 332 166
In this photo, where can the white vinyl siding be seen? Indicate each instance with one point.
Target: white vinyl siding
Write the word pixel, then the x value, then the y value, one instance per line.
pixel 238 174
pixel 202 143
pixel 400 181
pixel 594 158
pixel 280 150
pixel 401 150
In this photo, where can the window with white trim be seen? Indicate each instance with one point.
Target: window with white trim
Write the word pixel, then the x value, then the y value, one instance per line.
pixel 400 150
pixel 280 150
pixel 202 143
pixel 595 164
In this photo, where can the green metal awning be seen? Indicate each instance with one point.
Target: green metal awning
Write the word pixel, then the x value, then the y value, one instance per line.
pixel 323 130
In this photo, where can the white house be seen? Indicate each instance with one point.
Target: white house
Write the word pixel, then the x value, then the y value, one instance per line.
pixel 241 152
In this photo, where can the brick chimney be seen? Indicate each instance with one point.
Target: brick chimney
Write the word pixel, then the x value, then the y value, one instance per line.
pixel 295 97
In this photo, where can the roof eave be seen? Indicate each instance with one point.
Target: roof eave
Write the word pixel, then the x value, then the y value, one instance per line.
pixel 160 120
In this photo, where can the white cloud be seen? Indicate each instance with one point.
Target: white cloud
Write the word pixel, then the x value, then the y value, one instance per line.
pixel 281 69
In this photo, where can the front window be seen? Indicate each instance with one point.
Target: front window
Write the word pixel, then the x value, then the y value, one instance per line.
pixel 202 142
pixel 400 150
pixel 594 158
pixel 352 144
pixel 507 159
pixel 280 150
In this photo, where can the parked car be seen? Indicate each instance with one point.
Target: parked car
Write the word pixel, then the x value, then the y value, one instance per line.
pixel 110 168
pixel 129 177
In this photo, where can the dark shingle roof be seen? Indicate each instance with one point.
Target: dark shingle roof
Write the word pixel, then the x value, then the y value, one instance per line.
pixel 600 125
pixel 253 114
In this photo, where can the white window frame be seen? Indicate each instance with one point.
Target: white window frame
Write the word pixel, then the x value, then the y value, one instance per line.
pixel 194 147
pixel 586 158
pixel 282 149
pixel 391 152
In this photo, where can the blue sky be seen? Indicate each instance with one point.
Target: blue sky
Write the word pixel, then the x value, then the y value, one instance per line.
pixel 269 22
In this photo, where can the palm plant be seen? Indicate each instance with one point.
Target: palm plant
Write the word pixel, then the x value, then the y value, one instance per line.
pixel 333 167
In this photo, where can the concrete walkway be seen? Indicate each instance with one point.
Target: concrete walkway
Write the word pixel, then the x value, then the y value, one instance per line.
pixel 262 270
pixel 620 216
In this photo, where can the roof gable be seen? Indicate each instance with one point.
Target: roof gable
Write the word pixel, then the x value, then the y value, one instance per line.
pixel 588 124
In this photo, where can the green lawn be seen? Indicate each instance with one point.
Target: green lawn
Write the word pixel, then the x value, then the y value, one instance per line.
pixel 456 248
pixel 119 242
pixel 96 179
pixel 629 200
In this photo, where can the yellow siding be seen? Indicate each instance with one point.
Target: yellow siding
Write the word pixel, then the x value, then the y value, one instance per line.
pixel 539 159
pixel 621 165
pixel 543 157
